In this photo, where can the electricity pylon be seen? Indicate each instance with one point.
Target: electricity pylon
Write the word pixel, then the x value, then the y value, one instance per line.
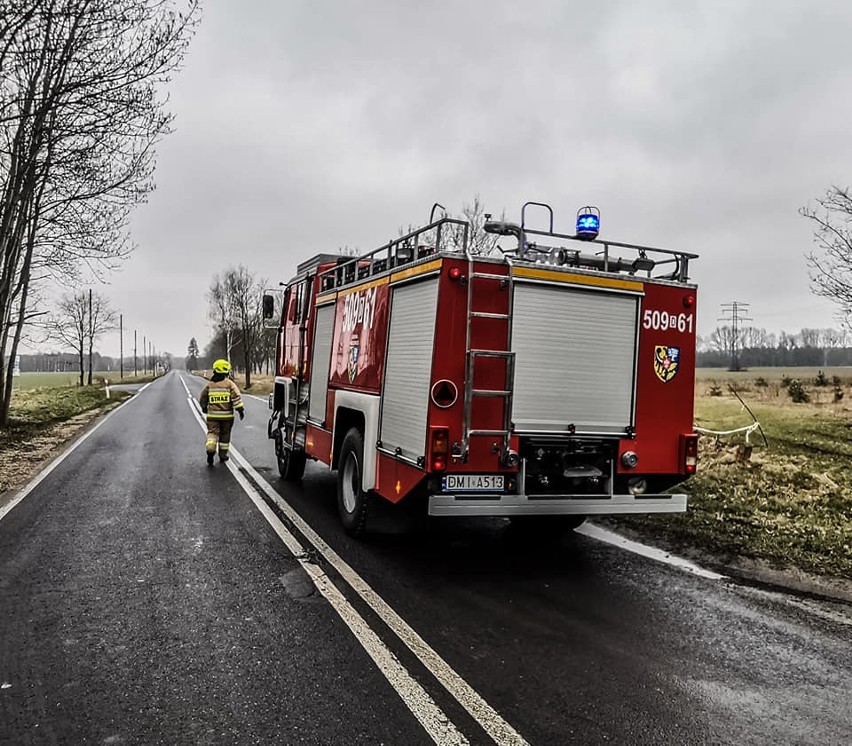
pixel 735 313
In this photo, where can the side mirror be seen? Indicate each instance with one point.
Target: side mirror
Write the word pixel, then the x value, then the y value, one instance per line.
pixel 268 307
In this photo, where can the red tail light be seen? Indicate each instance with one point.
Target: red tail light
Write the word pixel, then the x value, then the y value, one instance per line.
pixel 439 448
pixel 690 453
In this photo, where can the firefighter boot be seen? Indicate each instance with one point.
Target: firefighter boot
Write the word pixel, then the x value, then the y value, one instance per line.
pixel 210 458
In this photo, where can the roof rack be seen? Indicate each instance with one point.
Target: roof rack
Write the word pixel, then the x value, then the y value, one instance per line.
pixel 446 234
pixel 645 259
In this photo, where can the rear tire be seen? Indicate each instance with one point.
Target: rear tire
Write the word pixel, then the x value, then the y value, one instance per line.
pixel 352 501
pixel 291 464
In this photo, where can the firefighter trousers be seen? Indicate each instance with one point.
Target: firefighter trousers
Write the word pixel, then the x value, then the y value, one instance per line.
pixel 219 432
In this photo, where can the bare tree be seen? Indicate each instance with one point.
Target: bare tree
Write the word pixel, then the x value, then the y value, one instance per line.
pixel 787 341
pixel 721 339
pixel 246 292
pixel 479 242
pixel 80 116
pixel 222 312
pixel 79 320
pixel 811 337
pixel 831 266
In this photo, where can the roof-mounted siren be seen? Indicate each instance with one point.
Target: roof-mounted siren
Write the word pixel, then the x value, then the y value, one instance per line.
pixel 588 223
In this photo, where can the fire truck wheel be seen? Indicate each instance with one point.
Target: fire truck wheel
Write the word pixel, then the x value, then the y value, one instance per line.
pixel 291 464
pixel 352 501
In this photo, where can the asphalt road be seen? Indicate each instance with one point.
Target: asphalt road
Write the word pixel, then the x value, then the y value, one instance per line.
pixel 146 598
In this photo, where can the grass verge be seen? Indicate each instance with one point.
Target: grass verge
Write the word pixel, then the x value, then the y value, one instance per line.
pixel 788 504
pixel 42 421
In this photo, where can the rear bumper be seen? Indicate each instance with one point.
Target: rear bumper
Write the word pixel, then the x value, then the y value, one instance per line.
pixel 508 505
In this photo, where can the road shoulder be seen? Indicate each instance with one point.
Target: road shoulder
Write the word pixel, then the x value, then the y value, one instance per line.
pixel 744 569
pixel 24 460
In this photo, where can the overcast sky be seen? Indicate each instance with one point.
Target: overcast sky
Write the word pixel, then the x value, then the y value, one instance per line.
pixel 305 125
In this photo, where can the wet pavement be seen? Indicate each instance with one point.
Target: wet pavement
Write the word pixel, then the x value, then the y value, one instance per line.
pixel 143 599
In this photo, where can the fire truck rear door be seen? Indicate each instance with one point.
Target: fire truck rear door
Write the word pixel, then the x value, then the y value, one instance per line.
pixel 575 358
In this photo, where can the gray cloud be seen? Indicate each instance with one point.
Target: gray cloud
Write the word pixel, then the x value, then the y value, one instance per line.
pixel 304 126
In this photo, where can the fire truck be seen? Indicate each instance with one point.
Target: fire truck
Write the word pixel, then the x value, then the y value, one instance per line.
pixel 547 381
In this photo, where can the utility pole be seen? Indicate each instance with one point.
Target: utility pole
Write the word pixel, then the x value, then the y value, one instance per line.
pixel 135 372
pixel 91 332
pixel 735 313
pixel 144 355
pixel 121 345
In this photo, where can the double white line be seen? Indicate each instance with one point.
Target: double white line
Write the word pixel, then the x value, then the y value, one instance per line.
pixel 436 723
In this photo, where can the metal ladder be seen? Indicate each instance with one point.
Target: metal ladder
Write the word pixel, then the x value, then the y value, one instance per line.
pixel 473 353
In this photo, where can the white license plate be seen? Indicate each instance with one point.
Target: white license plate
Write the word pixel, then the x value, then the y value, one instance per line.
pixel 473 483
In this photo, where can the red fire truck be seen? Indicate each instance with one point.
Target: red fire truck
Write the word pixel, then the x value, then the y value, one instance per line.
pixel 553 379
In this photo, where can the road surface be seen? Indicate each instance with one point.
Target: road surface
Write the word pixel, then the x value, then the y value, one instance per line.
pixel 146 598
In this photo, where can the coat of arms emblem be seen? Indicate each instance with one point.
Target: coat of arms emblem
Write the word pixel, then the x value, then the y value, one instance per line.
pixel 354 352
pixel 666 362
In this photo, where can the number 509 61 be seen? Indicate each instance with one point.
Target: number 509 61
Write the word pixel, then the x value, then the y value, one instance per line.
pixel 664 320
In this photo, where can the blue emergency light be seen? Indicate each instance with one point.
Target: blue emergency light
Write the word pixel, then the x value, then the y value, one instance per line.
pixel 588 222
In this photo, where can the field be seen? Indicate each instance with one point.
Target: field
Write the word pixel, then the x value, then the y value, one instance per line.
pixel 773 374
pixel 28 381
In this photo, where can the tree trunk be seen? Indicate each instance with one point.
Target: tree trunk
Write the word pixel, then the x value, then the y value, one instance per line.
pixel 6 404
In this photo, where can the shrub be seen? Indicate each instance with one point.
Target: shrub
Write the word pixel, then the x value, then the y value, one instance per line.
pixel 715 389
pixel 786 381
pixel 820 379
pixel 838 393
pixel 797 392
pixel 761 382
pixel 836 382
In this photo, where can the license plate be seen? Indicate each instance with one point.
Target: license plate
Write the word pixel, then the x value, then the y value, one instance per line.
pixel 473 483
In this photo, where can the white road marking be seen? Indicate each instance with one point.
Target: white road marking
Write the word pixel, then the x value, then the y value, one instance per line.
pixel 42 475
pixel 610 537
pixel 487 717
pixel 422 706
pixel 418 701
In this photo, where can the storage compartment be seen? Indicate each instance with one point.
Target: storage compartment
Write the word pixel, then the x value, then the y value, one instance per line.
pixel 575 359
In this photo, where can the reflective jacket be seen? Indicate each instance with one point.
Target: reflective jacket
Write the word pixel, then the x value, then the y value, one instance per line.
pixel 219 399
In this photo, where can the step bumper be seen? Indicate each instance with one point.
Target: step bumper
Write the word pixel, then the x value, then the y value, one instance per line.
pixel 509 505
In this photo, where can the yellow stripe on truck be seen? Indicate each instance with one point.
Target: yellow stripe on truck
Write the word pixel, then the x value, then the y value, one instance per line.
pixel 575 279
pixel 414 271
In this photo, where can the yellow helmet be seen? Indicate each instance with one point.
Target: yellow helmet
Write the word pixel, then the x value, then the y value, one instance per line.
pixel 221 366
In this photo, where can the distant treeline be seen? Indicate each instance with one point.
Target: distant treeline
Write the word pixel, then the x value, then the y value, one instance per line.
pixel 68 362
pixel 759 348
pixel 760 357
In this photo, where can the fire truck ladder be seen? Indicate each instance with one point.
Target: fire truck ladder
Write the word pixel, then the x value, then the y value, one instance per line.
pixel 474 353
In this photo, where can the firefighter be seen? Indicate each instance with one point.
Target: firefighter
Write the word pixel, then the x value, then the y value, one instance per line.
pixel 219 399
